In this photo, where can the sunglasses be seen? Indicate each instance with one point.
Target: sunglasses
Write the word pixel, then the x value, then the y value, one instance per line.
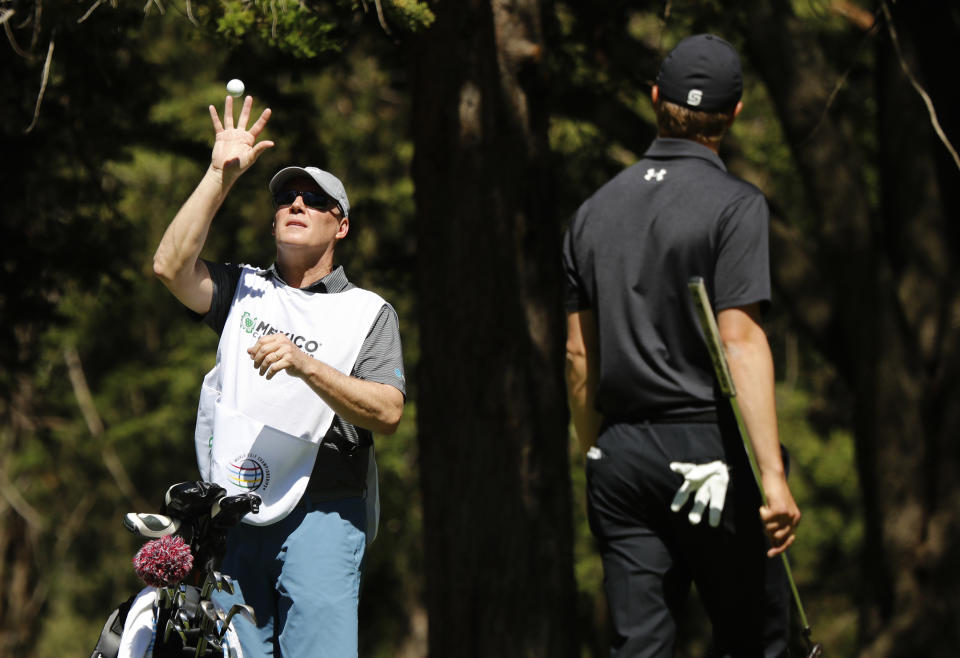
pixel 318 200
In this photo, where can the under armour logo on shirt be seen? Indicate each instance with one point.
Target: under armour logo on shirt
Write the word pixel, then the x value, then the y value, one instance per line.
pixel 653 173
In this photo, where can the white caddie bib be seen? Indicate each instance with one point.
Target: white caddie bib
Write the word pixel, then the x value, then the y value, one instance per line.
pixel 262 436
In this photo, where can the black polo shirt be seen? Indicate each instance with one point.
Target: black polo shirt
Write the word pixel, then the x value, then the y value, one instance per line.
pixel 628 255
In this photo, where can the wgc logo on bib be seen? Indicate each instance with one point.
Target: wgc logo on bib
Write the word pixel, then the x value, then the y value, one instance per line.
pixel 249 472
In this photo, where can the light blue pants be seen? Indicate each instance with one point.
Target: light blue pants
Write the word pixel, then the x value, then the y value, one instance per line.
pixel 302 577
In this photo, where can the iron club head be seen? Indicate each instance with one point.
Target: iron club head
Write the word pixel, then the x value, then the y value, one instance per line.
pixel 183 618
pixel 167 597
pixel 244 611
pixel 213 580
pixel 174 626
pixel 208 620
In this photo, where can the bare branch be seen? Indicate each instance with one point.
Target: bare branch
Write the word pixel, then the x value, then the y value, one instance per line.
pixel 13 497
pixel 10 496
pixel 190 16
pixel 273 13
pixel 43 87
pixel 75 522
pixel 6 15
pixel 146 7
pixel 89 11
pixel 37 24
pixel 381 17
pixel 12 39
pixel 89 410
pixel 916 85
pixel 82 392
pixel 871 32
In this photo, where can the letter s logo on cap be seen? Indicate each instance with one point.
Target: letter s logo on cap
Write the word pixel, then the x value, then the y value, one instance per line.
pixel 694 97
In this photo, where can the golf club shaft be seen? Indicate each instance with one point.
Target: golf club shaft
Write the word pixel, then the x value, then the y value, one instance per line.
pixel 711 332
pixel 763 496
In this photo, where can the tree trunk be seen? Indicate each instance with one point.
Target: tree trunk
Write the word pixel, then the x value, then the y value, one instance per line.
pixel 492 416
pixel 887 318
pixel 916 397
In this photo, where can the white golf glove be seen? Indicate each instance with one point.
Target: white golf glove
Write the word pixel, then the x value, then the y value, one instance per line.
pixel 709 481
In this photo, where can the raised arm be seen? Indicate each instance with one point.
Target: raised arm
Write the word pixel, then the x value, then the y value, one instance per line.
pixel 582 373
pixel 751 366
pixel 177 259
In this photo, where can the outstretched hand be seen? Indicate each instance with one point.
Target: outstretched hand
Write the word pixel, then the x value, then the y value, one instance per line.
pixel 236 148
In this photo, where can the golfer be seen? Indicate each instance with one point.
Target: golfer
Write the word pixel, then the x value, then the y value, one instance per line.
pixel 671 497
pixel 307 367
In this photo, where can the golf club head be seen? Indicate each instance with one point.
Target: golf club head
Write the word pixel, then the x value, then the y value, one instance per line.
pixel 183 619
pixel 174 626
pixel 227 511
pixel 215 642
pixel 152 526
pixel 214 637
pixel 212 581
pixel 166 597
pixel 244 611
pixel 191 499
pixel 208 619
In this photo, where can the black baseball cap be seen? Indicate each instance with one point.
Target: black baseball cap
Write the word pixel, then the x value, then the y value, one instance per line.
pixel 702 73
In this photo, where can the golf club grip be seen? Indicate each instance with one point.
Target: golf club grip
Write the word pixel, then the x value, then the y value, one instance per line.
pixel 711 334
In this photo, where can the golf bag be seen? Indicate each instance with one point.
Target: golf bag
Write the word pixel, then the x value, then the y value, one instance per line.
pixel 174 616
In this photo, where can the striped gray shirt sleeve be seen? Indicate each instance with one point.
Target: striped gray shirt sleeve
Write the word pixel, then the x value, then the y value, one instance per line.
pixel 380 360
pixel 381 355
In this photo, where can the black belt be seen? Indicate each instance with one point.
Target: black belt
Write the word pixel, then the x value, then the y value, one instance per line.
pixel 687 418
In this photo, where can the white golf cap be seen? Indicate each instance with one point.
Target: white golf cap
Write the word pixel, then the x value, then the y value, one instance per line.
pixel 327 182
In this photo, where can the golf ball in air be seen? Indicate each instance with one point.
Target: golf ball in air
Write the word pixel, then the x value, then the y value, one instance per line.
pixel 235 87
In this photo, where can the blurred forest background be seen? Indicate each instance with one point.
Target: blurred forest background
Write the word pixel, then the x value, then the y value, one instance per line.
pixel 467 133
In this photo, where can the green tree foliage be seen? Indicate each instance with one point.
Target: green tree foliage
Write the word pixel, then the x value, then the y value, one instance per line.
pixel 287 27
pixel 64 243
pixel 100 364
pixel 105 131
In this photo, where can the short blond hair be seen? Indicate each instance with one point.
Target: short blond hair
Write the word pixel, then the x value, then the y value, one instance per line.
pixel 705 127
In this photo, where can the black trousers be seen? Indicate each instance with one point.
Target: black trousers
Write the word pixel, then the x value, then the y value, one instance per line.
pixel 651 555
